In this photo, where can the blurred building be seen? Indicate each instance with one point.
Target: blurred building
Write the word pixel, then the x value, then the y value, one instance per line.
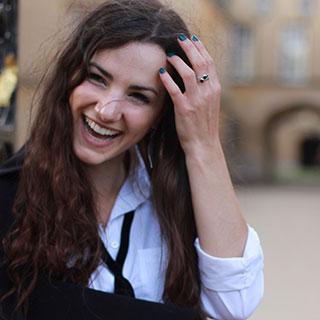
pixel 274 97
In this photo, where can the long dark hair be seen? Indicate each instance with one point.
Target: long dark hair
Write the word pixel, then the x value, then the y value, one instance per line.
pixel 54 207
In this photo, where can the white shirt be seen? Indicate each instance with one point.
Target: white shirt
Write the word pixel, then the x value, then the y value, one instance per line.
pixel 231 287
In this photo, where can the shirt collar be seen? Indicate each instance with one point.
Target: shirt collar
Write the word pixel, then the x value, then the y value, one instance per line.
pixel 134 191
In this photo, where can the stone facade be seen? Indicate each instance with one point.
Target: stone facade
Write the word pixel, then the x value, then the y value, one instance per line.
pixel 275 108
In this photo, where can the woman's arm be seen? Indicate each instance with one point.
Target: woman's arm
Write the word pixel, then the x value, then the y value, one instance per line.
pixel 221 227
pixel 230 255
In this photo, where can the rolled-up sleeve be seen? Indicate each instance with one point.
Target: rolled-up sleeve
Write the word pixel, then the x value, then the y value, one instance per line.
pixel 232 287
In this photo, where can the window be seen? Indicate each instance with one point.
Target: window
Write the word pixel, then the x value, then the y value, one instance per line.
pixel 294 56
pixel 306 7
pixel 223 3
pixel 263 6
pixel 243 54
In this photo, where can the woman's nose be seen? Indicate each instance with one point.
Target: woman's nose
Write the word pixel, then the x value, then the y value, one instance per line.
pixel 109 111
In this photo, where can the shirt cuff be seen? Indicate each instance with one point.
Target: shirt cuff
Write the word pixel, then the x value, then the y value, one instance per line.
pixel 229 274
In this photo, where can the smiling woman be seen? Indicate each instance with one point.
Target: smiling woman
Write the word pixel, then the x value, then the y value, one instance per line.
pixel 122 186
pixel 118 103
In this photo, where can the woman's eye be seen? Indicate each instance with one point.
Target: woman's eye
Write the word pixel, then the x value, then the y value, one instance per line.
pixel 96 78
pixel 140 97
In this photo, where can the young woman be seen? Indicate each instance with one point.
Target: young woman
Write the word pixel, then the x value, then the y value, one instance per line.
pixel 124 186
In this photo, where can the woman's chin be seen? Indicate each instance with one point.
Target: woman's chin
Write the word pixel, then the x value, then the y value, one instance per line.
pixel 93 158
pixel 89 157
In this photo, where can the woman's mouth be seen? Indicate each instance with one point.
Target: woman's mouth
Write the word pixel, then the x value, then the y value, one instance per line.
pixel 97 131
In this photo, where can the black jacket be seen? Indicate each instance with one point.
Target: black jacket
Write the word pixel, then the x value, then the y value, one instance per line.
pixel 61 300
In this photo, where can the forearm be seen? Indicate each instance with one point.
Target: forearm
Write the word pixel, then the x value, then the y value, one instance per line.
pixel 221 227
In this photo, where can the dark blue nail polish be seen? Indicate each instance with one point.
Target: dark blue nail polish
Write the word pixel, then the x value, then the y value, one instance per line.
pixel 162 70
pixel 170 54
pixel 194 38
pixel 182 37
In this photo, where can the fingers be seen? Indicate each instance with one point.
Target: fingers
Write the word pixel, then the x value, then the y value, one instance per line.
pixel 187 74
pixel 202 64
pixel 172 88
pixel 197 54
pixel 198 62
pixel 205 54
pixel 200 59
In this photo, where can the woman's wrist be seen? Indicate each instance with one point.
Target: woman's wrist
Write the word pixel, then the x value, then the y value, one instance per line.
pixel 207 154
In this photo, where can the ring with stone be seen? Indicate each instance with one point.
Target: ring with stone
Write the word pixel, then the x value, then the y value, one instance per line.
pixel 203 78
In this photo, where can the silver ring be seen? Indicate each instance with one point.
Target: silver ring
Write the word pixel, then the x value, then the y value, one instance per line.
pixel 203 78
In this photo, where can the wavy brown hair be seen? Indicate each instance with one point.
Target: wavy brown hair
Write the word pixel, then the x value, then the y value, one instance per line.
pixel 54 206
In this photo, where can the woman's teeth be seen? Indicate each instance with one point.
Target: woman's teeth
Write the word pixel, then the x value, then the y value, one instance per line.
pixel 108 133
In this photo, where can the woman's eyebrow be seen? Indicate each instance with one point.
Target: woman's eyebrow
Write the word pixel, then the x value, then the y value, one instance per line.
pixel 103 71
pixel 132 87
pixel 144 88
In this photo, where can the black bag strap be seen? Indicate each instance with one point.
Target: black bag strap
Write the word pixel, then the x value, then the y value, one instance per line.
pixel 121 284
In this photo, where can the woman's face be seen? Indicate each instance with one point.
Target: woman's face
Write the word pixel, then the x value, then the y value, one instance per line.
pixel 118 102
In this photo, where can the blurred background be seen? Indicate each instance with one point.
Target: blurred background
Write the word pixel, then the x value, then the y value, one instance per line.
pixel 268 57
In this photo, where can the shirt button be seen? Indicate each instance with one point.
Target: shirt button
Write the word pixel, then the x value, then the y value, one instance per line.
pixel 114 244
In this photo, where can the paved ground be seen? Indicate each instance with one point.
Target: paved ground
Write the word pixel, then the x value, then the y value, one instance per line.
pixel 288 222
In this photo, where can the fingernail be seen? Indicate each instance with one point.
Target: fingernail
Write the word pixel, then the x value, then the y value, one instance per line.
pixel 182 37
pixel 194 38
pixel 162 70
pixel 171 54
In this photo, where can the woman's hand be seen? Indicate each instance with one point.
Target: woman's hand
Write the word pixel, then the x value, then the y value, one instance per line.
pixel 197 109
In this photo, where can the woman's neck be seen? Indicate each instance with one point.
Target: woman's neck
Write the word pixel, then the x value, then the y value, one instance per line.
pixel 107 180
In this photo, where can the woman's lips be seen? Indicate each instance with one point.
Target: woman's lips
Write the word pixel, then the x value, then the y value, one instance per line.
pixel 93 138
